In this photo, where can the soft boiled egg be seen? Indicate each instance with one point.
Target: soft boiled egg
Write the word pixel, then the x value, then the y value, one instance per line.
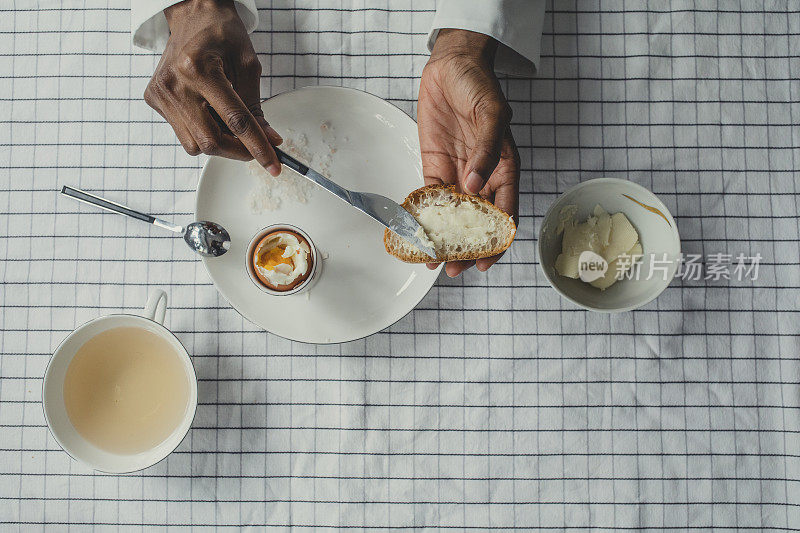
pixel 282 260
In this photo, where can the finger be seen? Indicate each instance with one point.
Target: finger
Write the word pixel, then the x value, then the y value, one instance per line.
pixel 274 137
pixel 429 179
pixel 173 117
pixel 506 198
pixel 505 181
pixel 160 102
pixel 484 263
pixel 506 194
pixel 241 122
pixel 432 266
pixel 208 135
pixel 454 268
pixel 492 121
pixel 227 132
pixel 438 162
pixel 247 84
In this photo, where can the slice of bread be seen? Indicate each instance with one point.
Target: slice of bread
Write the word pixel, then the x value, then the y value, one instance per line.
pixel 461 226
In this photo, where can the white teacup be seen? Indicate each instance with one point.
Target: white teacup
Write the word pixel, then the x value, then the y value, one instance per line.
pixel 55 410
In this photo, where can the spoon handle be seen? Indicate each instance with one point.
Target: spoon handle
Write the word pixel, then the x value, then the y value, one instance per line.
pixel 91 199
pixel 105 204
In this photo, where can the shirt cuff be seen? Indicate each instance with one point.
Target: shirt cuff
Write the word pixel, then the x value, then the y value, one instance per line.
pixel 149 25
pixel 515 24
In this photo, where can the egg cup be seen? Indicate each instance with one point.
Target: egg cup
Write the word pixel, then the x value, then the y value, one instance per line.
pixel 315 260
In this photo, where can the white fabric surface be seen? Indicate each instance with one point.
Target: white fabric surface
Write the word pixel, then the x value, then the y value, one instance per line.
pixel 495 402
pixel 516 24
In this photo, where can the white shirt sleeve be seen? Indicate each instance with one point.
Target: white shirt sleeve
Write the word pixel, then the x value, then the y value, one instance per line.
pixel 515 24
pixel 149 25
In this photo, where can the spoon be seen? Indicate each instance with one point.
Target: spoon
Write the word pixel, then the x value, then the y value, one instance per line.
pixel 205 238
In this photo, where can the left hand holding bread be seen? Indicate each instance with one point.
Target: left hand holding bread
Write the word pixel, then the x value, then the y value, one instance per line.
pixel 464 126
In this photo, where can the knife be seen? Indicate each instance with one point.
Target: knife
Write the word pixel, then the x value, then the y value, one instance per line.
pixel 381 208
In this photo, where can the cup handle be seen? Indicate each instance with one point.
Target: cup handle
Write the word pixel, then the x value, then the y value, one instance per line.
pixel 156 306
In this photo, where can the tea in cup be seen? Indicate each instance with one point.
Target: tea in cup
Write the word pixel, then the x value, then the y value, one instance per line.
pixel 120 392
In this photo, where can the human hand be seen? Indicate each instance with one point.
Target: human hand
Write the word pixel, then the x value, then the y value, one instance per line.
pixel 209 72
pixel 464 126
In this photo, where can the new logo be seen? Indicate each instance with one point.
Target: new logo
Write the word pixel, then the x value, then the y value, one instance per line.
pixel 591 266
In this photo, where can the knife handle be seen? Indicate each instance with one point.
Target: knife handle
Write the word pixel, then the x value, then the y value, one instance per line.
pixel 291 162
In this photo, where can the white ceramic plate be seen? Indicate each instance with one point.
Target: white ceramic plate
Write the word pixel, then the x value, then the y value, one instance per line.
pixel 361 289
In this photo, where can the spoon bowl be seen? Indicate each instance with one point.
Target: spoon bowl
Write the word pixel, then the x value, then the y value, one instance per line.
pixel 207 238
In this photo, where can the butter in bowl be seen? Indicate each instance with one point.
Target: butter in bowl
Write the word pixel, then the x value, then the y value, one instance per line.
pixel 609 245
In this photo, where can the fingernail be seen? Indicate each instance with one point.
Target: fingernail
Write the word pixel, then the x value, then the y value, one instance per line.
pixel 271 132
pixel 474 183
pixel 274 169
pixel 432 266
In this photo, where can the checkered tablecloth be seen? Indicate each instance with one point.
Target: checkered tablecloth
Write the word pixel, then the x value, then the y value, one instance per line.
pixel 495 402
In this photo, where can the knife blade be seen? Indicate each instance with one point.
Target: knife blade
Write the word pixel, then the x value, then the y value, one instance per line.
pixel 380 208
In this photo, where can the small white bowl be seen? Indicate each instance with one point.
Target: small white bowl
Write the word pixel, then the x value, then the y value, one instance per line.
pixel 316 260
pixel 658 235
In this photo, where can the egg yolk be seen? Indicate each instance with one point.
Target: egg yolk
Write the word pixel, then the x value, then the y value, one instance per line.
pixel 274 257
